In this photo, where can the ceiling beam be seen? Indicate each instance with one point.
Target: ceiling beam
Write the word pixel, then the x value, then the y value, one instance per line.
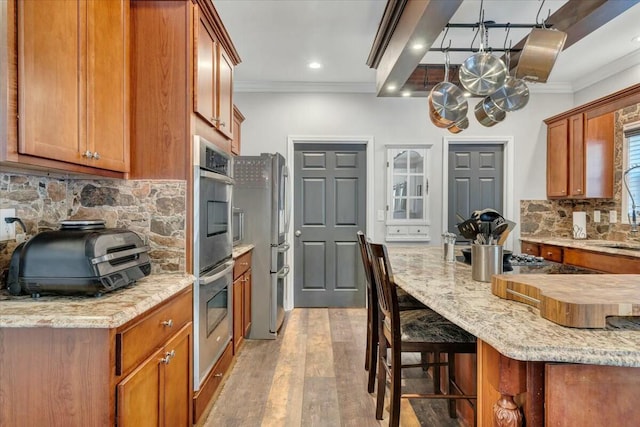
pixel 578 18
pixel 421 21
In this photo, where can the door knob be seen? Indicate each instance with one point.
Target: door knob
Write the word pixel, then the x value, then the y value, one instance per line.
pixel 298 233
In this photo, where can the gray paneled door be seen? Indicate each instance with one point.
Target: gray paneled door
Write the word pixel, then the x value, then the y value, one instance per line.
pixel 329 205
pixel 475 180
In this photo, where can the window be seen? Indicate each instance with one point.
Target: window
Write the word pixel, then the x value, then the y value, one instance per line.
pixel 631 174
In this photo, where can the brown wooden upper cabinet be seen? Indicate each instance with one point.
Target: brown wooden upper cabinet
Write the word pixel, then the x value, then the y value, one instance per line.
pixel 238 118
pixel 580 156
pixel 213 98
pixel 73 78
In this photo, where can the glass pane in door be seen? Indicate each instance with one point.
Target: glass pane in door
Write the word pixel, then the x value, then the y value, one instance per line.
pixel 416 163
pixel 400 208
pixel 400 161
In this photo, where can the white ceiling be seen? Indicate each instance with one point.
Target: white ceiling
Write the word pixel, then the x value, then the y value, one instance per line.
pixel 276 39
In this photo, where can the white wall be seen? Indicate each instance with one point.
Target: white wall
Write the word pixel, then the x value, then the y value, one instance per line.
pixel 618 81
pixel 272 117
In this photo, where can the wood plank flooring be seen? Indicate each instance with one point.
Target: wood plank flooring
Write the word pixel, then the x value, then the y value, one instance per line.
pixel 313 375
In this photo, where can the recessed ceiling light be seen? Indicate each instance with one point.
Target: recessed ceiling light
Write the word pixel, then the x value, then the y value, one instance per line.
pixel 315 65
pixel 406 93
pixel 417 46
pixel 391 88
pixel 636 39
pixel 466 94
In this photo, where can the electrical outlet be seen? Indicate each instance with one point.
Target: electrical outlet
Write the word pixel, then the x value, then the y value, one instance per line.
pixel 596 216
pixel 380 215
pixel 613 217
pixel 7 231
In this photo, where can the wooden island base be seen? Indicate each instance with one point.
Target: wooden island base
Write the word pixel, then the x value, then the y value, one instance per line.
pixel 515 393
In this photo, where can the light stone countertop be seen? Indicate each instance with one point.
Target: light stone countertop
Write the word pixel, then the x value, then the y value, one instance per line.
pixel 588 244
pixel 110 310
pixel 516 330
pixel 240 250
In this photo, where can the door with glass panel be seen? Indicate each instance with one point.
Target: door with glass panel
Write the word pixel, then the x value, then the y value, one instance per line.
pixel 407 194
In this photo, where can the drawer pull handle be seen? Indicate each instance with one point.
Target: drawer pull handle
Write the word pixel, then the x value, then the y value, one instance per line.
pixel 167 323
pixel 219 374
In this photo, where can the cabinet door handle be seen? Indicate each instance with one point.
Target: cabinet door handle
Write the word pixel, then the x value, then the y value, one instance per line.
pixel 167 323
pixel 88 154
pixel 219 374
pixel 96 156
pixel 219 121
pixel 549 254
pixel 168 356
pixel 244 264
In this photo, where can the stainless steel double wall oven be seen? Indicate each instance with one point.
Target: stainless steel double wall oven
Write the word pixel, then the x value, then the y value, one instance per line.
pixel 212 256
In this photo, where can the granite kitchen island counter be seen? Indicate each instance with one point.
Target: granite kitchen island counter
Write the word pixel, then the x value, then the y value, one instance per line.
pixel 515 330
pixel 110 310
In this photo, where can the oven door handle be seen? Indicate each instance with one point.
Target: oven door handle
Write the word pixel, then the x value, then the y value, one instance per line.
pixel 217 273
pixel 284 271
pixel 216 177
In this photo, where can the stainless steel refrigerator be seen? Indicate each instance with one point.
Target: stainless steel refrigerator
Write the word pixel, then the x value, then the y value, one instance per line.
pixel 262 190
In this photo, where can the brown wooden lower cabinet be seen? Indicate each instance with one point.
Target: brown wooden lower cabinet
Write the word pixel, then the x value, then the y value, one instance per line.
pixel 154 393
pixel 535 394
pixel 203 398
pixel 600 261
pixel 588 395
pixel 241 299
pixel 76 376
pixel 530 248
pixel 551 253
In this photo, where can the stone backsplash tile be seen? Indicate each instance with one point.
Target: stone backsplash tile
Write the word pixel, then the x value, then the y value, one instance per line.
pixel 553 218
pixel 155 209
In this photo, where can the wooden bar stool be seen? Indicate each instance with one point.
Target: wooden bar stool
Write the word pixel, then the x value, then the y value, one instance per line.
pixel 426 332
pixel 405 301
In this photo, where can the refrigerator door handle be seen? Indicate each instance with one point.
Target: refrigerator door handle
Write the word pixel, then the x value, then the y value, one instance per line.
pixel 287 199
pixel 284 271
pixel 284 247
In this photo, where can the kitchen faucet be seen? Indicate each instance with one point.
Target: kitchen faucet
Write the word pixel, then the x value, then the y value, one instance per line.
pixel 632 218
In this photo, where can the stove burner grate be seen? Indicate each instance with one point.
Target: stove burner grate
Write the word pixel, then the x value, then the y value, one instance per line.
pixel 526 259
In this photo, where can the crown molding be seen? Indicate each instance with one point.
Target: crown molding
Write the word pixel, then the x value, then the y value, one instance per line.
pixel 352 87
pixel 305 87
pixel 553 87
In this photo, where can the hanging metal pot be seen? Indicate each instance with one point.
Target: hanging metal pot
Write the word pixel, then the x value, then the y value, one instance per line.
pixel 488 113
pixel 447 103
pixel 539 54
pixel 512 95
pixel 482 73
pixel 459 126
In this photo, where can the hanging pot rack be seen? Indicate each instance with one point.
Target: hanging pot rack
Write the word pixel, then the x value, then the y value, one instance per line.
pixel 486 25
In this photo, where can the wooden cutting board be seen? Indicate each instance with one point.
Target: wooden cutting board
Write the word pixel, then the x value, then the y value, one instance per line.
pixel 576 300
